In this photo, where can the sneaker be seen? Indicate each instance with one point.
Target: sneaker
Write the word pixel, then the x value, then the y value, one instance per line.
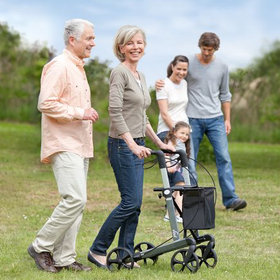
pixel 237 204
pixel 166 218
pixel 178 219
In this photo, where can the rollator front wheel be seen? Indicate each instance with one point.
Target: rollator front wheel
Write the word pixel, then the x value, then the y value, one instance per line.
pixel 120 258
pixel 144 246
pixel 210 259
pixel 180 260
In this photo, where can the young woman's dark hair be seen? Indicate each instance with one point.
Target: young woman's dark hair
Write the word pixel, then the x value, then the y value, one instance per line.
pixel 171 137
pixel 174 62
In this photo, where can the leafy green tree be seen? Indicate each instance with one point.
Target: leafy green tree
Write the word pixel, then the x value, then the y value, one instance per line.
pixel 98 77
pixel 256 99
pixel 20 70
pixel 255 103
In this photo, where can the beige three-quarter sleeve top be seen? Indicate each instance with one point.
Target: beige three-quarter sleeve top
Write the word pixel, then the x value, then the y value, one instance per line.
pixel 128 102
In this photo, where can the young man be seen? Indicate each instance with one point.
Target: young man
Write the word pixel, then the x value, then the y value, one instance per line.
pixel 209 112
pixel 67 117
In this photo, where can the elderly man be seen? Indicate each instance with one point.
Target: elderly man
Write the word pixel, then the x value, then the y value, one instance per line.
pixel 67 118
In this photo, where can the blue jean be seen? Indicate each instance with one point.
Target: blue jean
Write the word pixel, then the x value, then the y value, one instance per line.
pixel 162 135
pixel 129 173
pixel 175 178
pixel 214 128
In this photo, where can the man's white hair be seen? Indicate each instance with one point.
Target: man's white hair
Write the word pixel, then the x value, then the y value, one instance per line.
pixel 75 27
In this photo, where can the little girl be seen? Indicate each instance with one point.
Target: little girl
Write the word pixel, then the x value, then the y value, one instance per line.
pixel 179 137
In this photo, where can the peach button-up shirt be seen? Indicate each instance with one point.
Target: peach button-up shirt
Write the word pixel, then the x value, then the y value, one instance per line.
pixel 64 96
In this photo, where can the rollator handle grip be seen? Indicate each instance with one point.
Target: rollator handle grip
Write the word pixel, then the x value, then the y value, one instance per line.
pixel 182 154
pixel 161 158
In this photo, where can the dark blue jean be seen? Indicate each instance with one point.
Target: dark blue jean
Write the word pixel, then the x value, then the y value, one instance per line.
pixel 162 135
pixel 214 128
pixel 129 173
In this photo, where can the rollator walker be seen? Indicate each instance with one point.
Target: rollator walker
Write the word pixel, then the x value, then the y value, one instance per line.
pixel 198 212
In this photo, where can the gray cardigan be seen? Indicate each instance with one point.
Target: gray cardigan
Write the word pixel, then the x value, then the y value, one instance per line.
pixel 128 103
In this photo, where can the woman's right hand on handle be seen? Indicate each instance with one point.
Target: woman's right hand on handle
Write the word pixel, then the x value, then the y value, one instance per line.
pixel 140 151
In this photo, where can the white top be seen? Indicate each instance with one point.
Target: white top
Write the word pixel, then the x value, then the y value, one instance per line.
pixel 177 99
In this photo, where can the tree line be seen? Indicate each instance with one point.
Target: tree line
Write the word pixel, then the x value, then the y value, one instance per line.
pixel 256 98
pixel 255 89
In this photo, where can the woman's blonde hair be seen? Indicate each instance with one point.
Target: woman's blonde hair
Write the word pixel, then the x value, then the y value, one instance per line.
pixel 124 34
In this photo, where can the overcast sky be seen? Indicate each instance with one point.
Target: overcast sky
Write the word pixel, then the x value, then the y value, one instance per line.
pixel 246 28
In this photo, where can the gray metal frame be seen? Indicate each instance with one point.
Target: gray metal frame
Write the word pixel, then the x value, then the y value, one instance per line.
pixel 178 242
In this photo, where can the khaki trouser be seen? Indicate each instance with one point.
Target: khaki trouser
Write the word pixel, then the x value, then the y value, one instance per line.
pixel 58 235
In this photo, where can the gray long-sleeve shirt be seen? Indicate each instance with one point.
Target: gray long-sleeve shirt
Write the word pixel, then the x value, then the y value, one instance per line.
pixel 128 102
pixel 208 87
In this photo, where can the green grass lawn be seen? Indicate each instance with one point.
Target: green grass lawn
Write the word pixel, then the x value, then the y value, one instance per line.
pixel 247 242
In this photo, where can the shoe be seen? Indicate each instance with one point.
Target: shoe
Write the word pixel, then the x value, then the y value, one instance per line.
pixel 75 266
pixel 178 219
pixel 237 204
pixel 95 261
pixel 44 260
pixel 135 265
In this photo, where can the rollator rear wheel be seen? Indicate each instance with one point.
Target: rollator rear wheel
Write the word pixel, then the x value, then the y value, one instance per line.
pixel 120 258
pixel 179 261
pixel 143 246
pixel 210 260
